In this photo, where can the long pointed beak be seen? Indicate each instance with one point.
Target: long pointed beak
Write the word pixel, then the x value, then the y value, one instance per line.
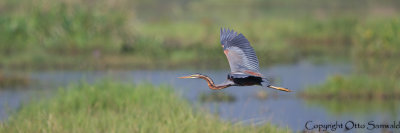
pixel 279 88
pixel 185 77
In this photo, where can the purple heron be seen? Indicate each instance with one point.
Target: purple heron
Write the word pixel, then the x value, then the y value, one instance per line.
pixel 242 61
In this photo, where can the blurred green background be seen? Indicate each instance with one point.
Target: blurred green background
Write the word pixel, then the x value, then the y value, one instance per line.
pixel 42 35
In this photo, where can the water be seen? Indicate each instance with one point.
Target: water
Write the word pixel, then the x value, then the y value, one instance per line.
pixel 279 108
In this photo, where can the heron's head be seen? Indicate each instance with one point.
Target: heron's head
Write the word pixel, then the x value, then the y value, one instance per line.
pixel 193 76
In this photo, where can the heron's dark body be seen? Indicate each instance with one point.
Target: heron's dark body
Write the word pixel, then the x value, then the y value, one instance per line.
pixel 245 80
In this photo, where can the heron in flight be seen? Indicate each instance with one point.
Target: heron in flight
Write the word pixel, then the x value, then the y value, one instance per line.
pixel 242 61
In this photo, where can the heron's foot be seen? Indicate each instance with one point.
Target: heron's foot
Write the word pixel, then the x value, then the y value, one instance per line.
pixel 279 88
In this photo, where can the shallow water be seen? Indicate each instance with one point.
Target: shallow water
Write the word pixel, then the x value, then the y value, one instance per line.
pixel 279 108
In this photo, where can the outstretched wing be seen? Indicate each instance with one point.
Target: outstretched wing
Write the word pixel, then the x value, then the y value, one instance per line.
pixel 240 54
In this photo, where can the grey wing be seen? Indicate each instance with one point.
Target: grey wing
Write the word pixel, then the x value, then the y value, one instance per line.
pixel 240 54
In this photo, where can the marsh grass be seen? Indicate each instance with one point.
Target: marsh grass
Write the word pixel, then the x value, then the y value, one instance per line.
pixel 60 27
pixel 356 87
pixel 377 38
pixel 118 107
pixel 79 34
pixel 373 78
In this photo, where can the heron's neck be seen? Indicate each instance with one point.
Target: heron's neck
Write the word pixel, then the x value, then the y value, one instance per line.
pixel 211 84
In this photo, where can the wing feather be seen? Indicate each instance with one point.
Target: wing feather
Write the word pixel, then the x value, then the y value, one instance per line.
pixel 240 54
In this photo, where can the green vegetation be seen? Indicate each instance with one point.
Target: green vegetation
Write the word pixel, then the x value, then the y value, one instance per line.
pixel 46 33
pixel 375 53
pixel 378 39
pixel 358 94
pixel 82 34
pixel 118 107
pixel 355 87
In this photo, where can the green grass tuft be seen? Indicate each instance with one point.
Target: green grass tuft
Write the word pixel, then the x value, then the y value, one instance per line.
pixel 118 107
pixel 356 87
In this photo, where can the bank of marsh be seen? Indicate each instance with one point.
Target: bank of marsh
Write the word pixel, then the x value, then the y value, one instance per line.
pixel 119 107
